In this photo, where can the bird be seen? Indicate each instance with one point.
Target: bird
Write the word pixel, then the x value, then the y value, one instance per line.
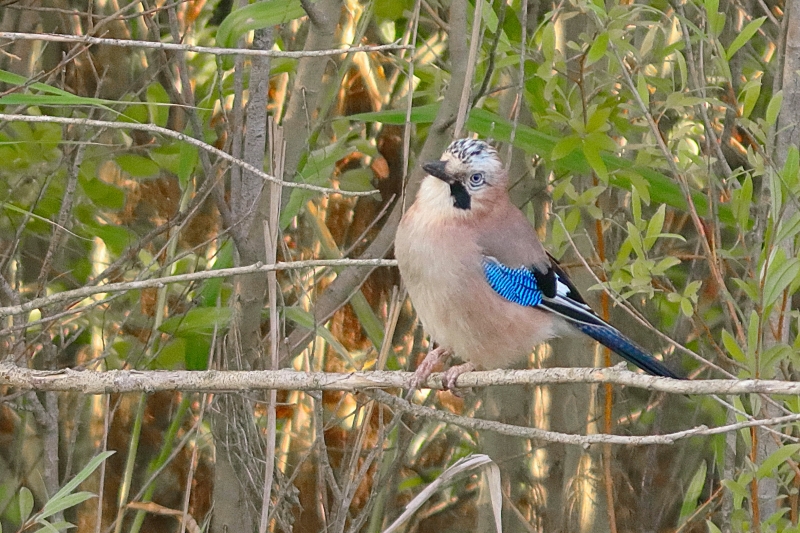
pixel 483 285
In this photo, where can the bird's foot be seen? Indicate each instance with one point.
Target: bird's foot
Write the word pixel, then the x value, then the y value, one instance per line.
pixel 450 376
pixel 428 365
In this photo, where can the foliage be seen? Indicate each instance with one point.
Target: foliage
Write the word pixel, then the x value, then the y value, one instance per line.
pixel 649 141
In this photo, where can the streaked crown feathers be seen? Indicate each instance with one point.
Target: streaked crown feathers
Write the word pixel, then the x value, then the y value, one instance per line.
pixel 470 150
pixel 473 155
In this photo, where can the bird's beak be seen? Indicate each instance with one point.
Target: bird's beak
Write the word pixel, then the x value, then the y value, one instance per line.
pixel 436 169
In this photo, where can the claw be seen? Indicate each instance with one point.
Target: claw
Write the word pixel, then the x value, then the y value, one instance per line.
pixel 427 366
pixel 450 376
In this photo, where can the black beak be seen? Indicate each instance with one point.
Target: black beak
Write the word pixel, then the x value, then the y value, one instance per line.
pixel 436 169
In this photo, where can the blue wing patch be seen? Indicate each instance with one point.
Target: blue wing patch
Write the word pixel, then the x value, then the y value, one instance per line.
pixel 514 284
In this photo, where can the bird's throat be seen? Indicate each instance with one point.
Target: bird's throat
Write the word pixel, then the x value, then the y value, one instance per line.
pixel 461 198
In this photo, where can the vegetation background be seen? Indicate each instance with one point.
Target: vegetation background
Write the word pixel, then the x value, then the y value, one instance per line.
pixel 654 145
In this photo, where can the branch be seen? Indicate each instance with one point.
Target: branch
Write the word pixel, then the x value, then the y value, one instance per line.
pixel 83 292
pixel 181 137
pixel 130 43
pixel 565 438
pixel 119 381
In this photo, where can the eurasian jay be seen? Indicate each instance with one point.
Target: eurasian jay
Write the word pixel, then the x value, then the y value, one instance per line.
pixel 483 285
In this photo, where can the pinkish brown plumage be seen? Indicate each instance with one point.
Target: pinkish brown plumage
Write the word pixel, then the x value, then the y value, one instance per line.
pixel 462 227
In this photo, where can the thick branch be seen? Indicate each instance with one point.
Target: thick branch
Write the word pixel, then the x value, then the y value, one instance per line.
pixel 118 381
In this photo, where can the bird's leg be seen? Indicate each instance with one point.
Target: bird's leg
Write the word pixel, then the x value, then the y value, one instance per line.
pixel 426 367
pixel 450 376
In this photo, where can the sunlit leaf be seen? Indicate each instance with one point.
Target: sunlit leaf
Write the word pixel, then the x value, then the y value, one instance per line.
pixel 598 49
pixel 744 36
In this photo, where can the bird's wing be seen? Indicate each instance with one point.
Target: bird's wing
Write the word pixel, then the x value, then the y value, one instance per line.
pixel 552 290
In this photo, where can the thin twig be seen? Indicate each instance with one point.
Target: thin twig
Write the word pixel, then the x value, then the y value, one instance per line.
pixel 83 292
pixel 181 137
pixel 566 438
pixel 130 43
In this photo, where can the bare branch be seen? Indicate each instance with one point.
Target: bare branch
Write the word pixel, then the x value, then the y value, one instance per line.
pixel 181 137
pixel 87 291
pixel 130 43
pixel 567 438
pixel 119 381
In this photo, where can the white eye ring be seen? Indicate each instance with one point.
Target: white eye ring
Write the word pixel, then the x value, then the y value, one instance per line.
pixel 477 179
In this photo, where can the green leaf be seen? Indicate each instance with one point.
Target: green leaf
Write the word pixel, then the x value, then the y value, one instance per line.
pixel 53 100
pixel 788 229
pixel 116 238
pixel 598 49
pixel 548 36
pixel 791 168
pixel 424 114
pixel 733 347
pixel 197 321
pixel 137 166
pixel 103 194
pixel 253 17
pixel 623 173
pixel 69 500
pixel 25 502
pixel 743 36
pixel 712 527
pixel 773 108
pixel 79 478
pixel 748 287
pixel 305 319
pixel 598 120
pixel 16 79
pixel 749 98
pixel 196 352
pixel 357 179
pixel 779 278
pixel 655 226
pixel 171 355
pixel 391 9
pixel 739 491
pixel 188 160
pixel 716 20
pixel 641 88
pixel 770 465
pixel 752 333
pixel 592 153
pixel 47 526
pixel 741 200
pixel 565 146
pixel 693 492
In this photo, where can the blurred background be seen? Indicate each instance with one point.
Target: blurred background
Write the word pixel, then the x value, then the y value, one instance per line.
pixel 653 145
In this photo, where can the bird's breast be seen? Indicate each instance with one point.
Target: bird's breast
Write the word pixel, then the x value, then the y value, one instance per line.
pixel 441 264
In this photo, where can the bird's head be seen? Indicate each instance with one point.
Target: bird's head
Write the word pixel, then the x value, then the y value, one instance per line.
pixel 469 179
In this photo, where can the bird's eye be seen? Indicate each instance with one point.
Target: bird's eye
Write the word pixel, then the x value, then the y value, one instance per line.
pixel 477 179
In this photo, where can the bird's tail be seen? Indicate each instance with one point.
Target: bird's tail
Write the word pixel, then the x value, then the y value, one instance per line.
pixel 612 339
